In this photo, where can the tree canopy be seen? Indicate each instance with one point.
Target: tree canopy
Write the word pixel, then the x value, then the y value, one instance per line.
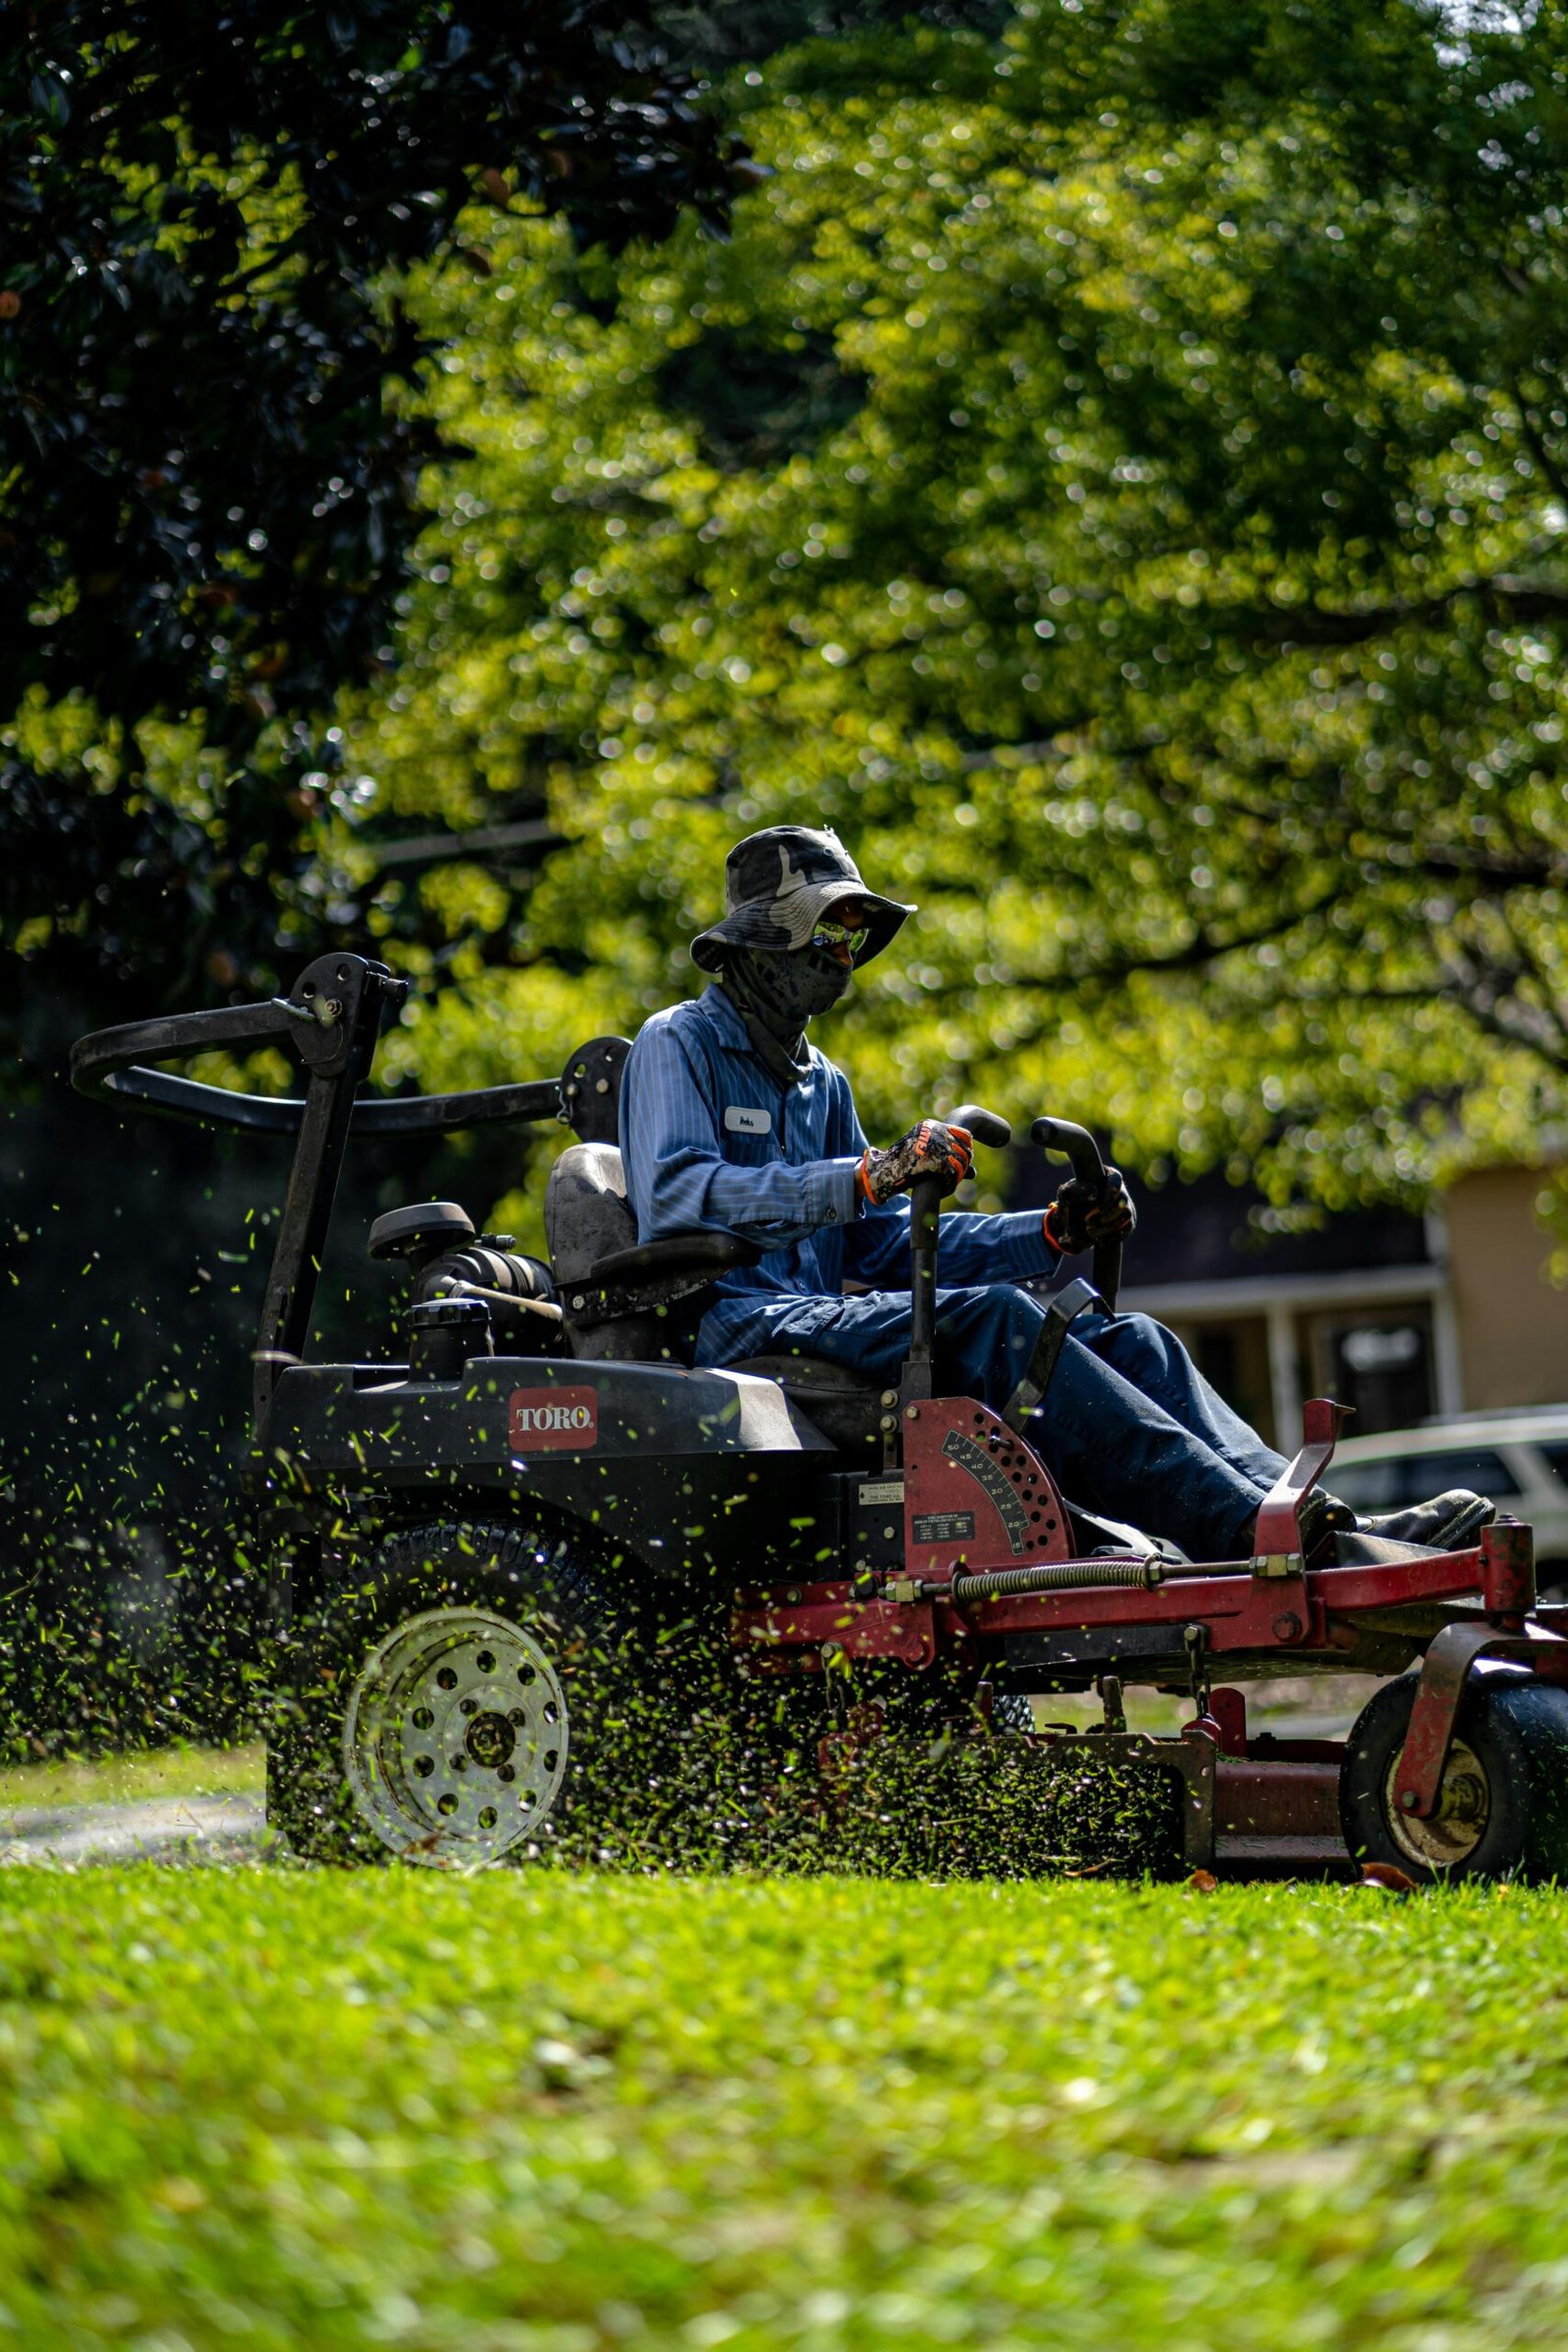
pixel 1115 474
pixel 1116 471
pixel 208 480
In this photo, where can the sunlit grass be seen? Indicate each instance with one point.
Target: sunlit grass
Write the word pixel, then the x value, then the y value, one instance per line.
pixel 561 2114
pixel 170 1772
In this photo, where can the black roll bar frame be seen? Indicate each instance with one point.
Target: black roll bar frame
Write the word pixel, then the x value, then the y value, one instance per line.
pixel 332 1017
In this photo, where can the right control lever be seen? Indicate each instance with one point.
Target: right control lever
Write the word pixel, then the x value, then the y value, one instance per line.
pixel 1078 1146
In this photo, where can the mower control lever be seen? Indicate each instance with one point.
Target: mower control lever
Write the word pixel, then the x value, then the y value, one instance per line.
pixel 925 1214
pixel 925 1210
pixel 1075 1144
pixel 1079 1145
pixel 987 1127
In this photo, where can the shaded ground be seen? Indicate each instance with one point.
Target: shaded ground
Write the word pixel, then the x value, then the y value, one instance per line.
pixel 205 1829
pixel 540 2114
pixel 181 1804
pixel 1303 1706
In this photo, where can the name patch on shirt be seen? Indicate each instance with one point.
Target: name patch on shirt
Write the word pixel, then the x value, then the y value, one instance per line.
pixel 740 1122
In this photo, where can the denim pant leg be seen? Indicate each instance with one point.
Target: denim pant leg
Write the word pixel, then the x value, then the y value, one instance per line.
pixel 1113 1447
pixel 1118 1451
pixel 984 1335
pixel 1157 1364
pixel 1129 1425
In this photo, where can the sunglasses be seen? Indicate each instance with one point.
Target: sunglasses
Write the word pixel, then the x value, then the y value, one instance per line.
pixel 840 935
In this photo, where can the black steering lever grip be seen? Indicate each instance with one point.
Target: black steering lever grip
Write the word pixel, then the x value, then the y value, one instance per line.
pixel 987 1127
pixel 1077 1145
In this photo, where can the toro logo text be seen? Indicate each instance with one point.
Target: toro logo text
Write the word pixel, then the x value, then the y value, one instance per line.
pixel 546 1420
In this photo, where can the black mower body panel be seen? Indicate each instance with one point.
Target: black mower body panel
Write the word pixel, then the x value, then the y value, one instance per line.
pixel 690 1471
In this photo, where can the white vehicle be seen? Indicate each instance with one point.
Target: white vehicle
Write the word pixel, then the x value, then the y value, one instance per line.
pixel 1519 1459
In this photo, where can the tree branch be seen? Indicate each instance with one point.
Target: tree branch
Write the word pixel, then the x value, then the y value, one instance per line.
pixel 1512 599
pixel 1200 949
pixel 1482 991
pixel 1531 966
pixel 1534 873
pixel 1538 445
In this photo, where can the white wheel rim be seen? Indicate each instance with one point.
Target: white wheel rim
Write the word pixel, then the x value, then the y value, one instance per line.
pixel 1457 1827
pixel 455 1737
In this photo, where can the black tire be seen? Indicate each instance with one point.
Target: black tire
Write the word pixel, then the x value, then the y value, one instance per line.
pixel 480 1693
pixel 1012 1712
pixel 1504 1806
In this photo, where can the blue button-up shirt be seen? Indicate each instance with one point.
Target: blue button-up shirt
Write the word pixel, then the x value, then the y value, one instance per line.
pixel 712 1144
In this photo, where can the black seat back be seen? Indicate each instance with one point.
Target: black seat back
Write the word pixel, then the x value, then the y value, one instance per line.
pixel 641 1302
pixel 587 1215
pixel 587 1218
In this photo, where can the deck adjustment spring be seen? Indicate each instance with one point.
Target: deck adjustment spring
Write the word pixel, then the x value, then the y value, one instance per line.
pixel 1076 1576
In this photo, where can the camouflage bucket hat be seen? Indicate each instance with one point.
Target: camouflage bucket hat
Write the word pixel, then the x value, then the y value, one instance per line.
pixel 779 885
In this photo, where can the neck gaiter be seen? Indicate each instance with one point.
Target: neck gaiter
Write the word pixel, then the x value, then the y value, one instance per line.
pixel 775 995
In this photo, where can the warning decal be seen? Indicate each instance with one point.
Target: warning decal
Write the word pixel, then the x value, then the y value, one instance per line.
pixel 944 1526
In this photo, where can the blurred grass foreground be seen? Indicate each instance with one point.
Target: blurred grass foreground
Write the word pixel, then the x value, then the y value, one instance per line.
pixel 262 2111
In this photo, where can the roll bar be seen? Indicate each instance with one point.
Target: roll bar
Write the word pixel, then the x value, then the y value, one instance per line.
pixel 111 1066
pixel 332 1017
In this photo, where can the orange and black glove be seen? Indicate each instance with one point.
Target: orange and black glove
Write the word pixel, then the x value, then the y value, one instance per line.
pixel 928 1150
pixel 1082 1215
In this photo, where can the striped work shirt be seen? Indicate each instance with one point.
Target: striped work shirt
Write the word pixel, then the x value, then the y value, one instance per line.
pixel 712 1144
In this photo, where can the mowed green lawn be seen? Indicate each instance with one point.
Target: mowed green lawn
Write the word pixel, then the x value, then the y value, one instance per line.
pixel 274 2108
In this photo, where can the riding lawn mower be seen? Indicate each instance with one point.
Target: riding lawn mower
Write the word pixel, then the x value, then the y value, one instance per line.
pixel 539 1582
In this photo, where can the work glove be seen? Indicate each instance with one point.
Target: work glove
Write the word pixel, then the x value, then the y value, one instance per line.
pixel 1081 1215
pixel 928 1150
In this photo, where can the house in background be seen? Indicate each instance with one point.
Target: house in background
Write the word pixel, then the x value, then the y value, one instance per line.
pixel 1405 1318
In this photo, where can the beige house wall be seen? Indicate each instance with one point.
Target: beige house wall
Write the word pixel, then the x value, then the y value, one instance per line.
pixel 1513 1326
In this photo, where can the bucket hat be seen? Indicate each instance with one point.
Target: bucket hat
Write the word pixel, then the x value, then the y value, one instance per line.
pixel 780 884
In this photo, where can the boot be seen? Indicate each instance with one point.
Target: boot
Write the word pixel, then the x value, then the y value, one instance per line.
pixel 1447 1523
pixel 1321 1517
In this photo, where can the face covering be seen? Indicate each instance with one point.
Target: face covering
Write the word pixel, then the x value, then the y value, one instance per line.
pixel 776 994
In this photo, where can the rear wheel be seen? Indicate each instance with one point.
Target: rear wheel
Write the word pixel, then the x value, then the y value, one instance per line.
pixel 481 1693
pixel 1503 1809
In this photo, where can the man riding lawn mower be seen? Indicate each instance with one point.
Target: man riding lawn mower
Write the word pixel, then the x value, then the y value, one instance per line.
pixel 733 1486
pixel 734 1123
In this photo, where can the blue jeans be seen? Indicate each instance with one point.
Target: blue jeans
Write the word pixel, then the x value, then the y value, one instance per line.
pixel 1129 1425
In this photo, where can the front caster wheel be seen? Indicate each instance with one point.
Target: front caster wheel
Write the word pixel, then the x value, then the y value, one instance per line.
pixel 480 1693
pixel 1502 1810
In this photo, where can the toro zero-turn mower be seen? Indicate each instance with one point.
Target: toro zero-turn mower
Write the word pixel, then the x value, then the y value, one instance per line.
pixel 539 1586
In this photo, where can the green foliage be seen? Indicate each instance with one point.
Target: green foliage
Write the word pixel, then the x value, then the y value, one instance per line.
pixel 536 2113
pixel 1116 473
pixel 208 480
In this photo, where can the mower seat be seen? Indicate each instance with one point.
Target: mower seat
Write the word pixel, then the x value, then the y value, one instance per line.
pixel 845 1405
pixel 587 1214
pixel 617 1292
pixel 617 1295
